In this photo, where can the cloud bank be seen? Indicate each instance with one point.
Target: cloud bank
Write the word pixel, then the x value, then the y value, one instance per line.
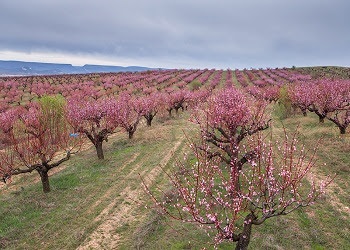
pixel 178 34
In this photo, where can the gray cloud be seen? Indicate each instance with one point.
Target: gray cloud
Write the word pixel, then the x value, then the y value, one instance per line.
pixel 195 33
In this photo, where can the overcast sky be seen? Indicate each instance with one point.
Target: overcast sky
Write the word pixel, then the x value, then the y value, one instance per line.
pixel 177 33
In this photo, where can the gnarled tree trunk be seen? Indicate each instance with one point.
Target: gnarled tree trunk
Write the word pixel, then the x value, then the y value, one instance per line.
pixel 321 117
pixel 99 150
pixel 244 237
pixel 149 119
pixel 131 134
pixel 131 130
pixel 342 130
pixel 303 110
pixel 44 180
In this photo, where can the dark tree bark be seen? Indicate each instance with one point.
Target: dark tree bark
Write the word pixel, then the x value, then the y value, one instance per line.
pixel 99 150
pixel 244 237
pixel 149 119
pixel 321 119
pixel 131 134
pixel 177 107
pixel 341 125
pixel 321 116
pixel 342 130
pixel 44 180
pixel 97 140
pixel 42 169
pixel 131 129
pixel 303 110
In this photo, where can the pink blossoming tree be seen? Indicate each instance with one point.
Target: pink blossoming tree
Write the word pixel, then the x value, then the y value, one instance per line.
pixel 148 106
pixel 329 99
pixel 176 100
pixel 38 139
pixel 238 180
pixel 97 119
pixel 129 114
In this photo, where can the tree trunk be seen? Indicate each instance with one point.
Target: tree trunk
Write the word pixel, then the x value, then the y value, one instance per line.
pixel 131 130
pixel 99 150
pixel 169 111
pixel 45 180
pixel 320 117
pixel 342 126
pixel 244 237
pixel 303 110
pixel 149 119
pixel 131 133
pixel 342 130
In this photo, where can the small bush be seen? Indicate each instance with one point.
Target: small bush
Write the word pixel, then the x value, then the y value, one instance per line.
pixel 284 107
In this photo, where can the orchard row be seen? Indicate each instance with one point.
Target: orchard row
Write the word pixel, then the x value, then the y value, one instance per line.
pixel 22 90
pixel 99 104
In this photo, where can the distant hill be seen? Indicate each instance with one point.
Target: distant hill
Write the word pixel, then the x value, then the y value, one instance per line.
pixel 35 68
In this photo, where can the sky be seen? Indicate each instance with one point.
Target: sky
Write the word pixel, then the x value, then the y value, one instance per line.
pixel 186 34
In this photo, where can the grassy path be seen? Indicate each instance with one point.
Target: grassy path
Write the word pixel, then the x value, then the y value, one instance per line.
pixel 117 214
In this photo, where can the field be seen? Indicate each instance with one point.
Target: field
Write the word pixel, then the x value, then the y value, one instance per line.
pixel 102 204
